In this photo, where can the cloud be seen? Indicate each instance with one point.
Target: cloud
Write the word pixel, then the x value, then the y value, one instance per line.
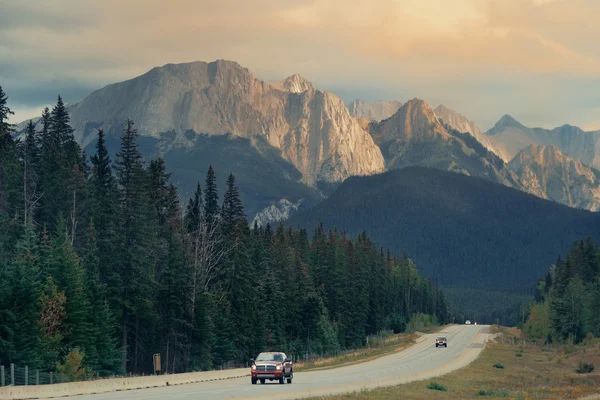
pixel 402 45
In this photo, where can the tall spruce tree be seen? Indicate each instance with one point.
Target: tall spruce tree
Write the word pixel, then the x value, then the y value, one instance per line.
pixel 7 155
pixel 103 189
pixel 211 197
pixel 29 156
pixel 102 356
pixel 135 268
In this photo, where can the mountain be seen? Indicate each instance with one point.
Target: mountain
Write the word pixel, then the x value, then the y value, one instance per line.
pixel 509 137
pixel 463 232
pixel 312 129
pixel 460 123
pixel 373 111
pixel 414 136
pixel 558 177
pixel 263 177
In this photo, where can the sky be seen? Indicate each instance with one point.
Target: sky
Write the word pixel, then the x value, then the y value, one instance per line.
pixel 537 60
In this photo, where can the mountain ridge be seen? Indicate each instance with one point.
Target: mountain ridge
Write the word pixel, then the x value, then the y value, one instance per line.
pixel 558 177
pixel 312 128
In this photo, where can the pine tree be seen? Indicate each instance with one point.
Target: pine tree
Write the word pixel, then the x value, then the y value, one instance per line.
pixel 25 287
pixel 103 356
pixel 7 148
pixel 232 210
pixel 103 189
pixel 194 211
pixel 29 156
pixel 70 278
pixel 136 274
pixel 211 197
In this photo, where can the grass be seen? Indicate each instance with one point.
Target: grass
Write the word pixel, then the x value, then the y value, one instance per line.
pixel 540 372
pixel 391 345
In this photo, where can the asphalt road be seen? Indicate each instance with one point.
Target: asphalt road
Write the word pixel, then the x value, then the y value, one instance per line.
pixel 421 361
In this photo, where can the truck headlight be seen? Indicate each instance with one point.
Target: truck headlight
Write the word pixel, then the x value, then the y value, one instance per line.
pixel 253 367
pixel 278 368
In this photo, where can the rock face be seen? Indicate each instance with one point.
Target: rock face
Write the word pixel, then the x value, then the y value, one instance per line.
pixel 509 137
pixel 414 136
pixel 276 212
pixel 547 172
pixel 460 123
pixel 373 111
pixel 312 129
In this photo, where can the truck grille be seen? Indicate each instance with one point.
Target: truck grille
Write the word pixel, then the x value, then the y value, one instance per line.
pixel 265 368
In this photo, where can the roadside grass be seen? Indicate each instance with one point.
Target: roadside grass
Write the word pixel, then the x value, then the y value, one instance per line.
pixel 540 372
pixel 390 345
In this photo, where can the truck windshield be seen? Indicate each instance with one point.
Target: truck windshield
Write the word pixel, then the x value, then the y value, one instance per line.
pixel 269 357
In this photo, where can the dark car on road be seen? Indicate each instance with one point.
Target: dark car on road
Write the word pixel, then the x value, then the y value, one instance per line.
pixel 274 366
pixel 441 341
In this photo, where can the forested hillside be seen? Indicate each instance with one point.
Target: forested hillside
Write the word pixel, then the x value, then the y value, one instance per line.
pixel 464 232
pixel 568 299
pixel 101 256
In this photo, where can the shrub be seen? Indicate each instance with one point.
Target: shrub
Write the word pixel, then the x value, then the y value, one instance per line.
pixel 498 366
pixel 492 393
pixel 519 353
pixel 71 369
pixel 436 386
pixel 584 368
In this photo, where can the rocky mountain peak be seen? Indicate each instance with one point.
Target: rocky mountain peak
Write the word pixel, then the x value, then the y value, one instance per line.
pixel 295 84
pixel 313 131
pixel 504 122
pixel 461 124
pixel 544 156
pixel 548 173
pixel 414 119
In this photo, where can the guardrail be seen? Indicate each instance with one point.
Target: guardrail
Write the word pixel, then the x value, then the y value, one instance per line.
pixel 115 384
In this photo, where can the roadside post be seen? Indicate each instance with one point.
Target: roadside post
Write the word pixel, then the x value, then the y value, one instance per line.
pixel 2 375
pixel 12 374
pixel 156 358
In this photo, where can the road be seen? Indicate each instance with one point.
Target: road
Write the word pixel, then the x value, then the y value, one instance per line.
pixel 421 361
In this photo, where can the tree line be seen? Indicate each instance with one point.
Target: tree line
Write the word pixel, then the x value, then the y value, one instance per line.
pixel 567 300
pixel 100 257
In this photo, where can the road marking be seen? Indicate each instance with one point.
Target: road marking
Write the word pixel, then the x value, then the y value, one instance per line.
pixel 363 384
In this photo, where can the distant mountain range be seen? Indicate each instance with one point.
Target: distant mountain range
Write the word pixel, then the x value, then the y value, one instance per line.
pixel 415 136
pixel 509 137
pixel 305 141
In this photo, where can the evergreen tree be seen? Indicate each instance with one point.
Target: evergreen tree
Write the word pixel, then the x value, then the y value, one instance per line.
pixel 25 287
pixel 102 356
pixel 7 148
pixel 29 156
pixel 194 211
pixel 103 189
pixel 211 197
pixel 67 271
pixel 135 269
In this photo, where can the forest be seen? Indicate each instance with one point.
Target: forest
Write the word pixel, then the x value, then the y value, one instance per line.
pixel 101 259
pixel 567 300
pixel 485 242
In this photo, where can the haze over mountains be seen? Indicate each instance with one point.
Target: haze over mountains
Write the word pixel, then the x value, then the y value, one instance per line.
pixel 509 137
pixel 311 141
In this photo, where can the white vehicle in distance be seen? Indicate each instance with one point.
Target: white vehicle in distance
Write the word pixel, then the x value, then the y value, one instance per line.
pixel 467 322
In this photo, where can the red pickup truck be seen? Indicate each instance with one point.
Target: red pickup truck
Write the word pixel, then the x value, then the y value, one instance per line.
pixel 272 366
